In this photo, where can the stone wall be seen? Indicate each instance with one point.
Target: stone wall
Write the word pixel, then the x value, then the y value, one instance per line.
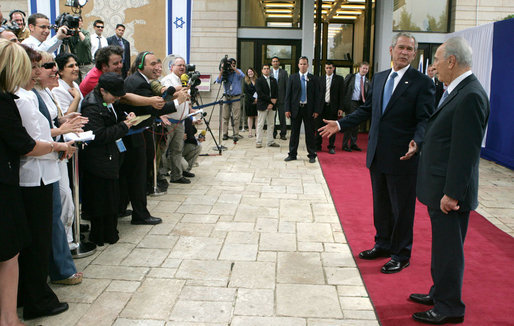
pixel 471 13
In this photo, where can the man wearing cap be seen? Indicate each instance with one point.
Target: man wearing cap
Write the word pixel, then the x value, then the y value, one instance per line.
pixel 232 92
pixel 133 168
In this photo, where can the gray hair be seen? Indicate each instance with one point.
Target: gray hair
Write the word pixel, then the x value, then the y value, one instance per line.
pixel 460 49
pixel 177 58
pixel 405 34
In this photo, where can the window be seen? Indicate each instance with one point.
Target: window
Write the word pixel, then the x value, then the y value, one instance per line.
pixel 421 16
pixel 340 42
pixel 268 13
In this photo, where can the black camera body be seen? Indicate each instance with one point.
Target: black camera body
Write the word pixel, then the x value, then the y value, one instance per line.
pixel 70 21
pixel 194 80
pixel 13 27
pixel 226 68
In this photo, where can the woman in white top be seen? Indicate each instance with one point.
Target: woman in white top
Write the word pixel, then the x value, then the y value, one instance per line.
pixel 37 178
pixel 68 93
pixel 62 268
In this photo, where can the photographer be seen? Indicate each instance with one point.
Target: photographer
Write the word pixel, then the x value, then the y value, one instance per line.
pixel 17 20
pixel 39 27
pixel 80 45
pixel 232 79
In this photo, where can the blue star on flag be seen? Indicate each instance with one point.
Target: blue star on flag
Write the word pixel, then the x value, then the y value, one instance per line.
pixel 179 22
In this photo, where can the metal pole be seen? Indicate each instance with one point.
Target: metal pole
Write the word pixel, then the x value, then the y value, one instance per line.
pixel 83 249
pixel 156 191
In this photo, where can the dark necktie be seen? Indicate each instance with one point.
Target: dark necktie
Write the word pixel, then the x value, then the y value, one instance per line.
pixel 303 97
pixel 99 43
pixel 388 90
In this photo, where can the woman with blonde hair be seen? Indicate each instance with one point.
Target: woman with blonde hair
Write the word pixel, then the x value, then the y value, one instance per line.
pixel 15 72
pixel 250 98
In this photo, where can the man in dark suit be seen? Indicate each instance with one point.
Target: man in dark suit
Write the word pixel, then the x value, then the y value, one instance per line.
pixel 439 86
pixel 448 177
pixel 302 104
pixel 400 101
pixel 357 89
pixel 117 39
pixel 267 88
pixel 331 102
pixel 133 169
pixel 281 76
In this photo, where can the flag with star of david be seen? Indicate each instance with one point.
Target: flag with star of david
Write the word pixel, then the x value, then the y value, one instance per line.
pixel 178 36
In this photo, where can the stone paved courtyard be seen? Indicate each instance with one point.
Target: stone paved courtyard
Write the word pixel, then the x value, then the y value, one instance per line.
pixel 252 241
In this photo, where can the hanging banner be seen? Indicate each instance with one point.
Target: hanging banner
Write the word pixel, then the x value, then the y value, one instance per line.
pixel 178 31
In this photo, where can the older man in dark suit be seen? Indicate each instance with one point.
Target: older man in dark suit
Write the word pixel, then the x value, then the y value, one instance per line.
pixel 448 177
pixel 400 101
pixel 117 39
pixel 281 76
pixel 302 104
pixel 331 102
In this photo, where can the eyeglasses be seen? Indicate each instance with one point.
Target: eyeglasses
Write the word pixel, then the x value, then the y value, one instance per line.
pixel 44 26
pixel 48 65
pixel 99 26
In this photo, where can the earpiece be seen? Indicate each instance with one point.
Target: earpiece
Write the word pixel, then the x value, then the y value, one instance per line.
pixel 142 63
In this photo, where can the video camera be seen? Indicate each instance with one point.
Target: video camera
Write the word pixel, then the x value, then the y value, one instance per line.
pixel 225 67
pixel 71 21
pixel 194 80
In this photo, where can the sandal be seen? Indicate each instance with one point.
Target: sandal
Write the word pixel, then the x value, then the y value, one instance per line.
pixel 72 280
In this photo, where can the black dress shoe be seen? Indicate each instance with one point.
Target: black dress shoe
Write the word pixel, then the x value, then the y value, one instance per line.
pixel 32 314
pixel 290 158
pixel 373 253
pixel 346 149
pixel 181 180
pixel 432 317
pixel 147 221
pixel 356 148
pixel 422 298
pixel 331 151
pixel 127 212
pixel 394 266
pixel 188 174
pixel 312 160
pixel 283 137
pixel 225 137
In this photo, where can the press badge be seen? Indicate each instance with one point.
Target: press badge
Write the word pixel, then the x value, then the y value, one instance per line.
pixel 121 146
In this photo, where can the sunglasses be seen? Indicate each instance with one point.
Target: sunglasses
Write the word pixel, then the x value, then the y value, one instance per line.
pixel 99 26
pixel 48 65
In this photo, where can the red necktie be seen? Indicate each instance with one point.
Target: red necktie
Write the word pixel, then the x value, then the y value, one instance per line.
pixel 362 89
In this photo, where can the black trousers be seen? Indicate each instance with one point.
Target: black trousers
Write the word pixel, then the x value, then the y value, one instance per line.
pixel 308 123
pixel 394 201
pixel 447 267
pixel 282 126
pixel 318 123
pixel 34 292
pixel 133 182
pixel 351 133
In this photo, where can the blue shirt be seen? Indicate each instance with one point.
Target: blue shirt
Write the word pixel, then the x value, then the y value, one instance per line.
pixel 233 85
pixel 357 89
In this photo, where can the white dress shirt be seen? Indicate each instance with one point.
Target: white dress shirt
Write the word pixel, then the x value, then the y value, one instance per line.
pixel 94 43
pixel 63 96
pixel 400 73
pixel 50 45
pixel 34 169
pixel 182 109
pixel 457 81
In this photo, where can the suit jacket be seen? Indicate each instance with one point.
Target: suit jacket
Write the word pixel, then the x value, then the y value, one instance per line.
pixel 336 94
pixel 403 120
pixel 137 84
pixel 294 92
pixel 349 83
pixel 282 85
pixel 451 152
pixel 113 40
pixel 264 95
pixel 439 90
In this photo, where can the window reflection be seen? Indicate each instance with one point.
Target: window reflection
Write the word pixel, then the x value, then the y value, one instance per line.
pixel 273 14
pixel 340 41
pixel 423 16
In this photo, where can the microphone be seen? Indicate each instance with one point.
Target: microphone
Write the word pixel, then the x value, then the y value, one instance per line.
pixel 184 78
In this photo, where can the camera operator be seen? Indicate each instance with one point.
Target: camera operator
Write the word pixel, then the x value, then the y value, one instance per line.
pixel 17 20
pixel 39 27
pixel 172 153
pixel 232 86
pixel 80 45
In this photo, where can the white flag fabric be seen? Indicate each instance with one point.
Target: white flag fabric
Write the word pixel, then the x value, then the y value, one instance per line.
pixel 420 65
pixel 45 7
pixel 178 29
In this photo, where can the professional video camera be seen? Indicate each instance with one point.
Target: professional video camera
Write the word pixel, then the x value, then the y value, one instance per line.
pixel 226 68
pixel 71 21
pixel 194 80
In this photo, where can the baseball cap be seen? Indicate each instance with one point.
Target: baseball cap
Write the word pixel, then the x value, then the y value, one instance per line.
pixel 112 83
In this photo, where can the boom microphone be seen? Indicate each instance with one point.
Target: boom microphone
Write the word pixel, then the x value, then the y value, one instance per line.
pixel 184 78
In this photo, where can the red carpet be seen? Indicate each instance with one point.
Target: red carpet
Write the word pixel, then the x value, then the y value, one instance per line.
pixel 488 278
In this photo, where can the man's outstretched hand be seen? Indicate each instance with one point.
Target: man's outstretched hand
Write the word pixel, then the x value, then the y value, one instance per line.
pixel 329 129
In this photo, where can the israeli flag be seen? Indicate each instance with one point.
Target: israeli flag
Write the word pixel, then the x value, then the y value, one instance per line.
pixel 420 65
pixel 45 7
pixel 178 31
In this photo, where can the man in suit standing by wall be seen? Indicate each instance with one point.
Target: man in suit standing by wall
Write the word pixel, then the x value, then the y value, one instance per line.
pixel 117 39
pixel 267 88
pixel 281 76
pixel 331 102
pixel 302 104
pixel 448 177
pixel 357 88
pixel 400 101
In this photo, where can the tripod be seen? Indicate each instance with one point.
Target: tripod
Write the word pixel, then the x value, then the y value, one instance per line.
pixel 219 147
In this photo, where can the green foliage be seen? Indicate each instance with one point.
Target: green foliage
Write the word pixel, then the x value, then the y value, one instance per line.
pixel 508 17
